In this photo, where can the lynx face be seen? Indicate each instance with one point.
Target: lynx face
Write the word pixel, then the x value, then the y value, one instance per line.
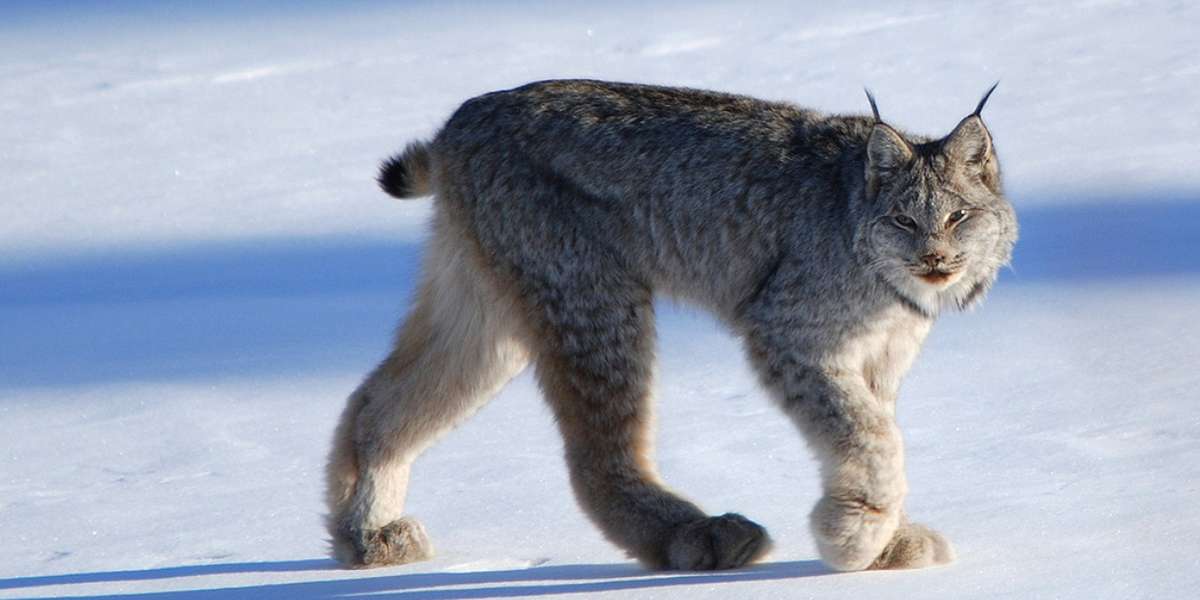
pixel 941 228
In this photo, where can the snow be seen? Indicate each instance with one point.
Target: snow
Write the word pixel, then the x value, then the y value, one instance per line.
pixel 196 268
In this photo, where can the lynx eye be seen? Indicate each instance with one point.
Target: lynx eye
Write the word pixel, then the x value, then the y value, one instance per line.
pixel 904 221
pixel 957 216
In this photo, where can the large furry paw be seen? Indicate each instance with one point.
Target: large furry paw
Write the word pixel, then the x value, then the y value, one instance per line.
pixel 401 541
pixel 915 546
pixel 725 542
pixel 850 533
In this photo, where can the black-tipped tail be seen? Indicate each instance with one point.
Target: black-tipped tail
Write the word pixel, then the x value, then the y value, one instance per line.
pixel 406 175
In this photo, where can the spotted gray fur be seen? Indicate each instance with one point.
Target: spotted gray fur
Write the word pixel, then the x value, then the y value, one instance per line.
pixel 829 244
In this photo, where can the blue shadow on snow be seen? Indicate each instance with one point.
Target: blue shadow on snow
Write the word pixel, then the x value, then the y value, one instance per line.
pixel 304 305
pixel 532 581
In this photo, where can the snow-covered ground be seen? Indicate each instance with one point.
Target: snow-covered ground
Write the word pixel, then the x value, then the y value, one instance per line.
pixel 196 268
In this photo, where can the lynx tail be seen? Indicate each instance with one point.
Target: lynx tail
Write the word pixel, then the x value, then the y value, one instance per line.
pixel 407 175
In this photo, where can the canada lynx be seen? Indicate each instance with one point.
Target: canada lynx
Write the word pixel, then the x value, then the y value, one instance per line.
pixel 827 243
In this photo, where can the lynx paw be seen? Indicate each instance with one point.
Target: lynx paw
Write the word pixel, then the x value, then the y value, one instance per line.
pixel 401 541
pixel 915 546
pixel 725 542
pixel 851 533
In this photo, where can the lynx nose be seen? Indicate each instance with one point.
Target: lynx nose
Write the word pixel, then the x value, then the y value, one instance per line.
pixel 933 259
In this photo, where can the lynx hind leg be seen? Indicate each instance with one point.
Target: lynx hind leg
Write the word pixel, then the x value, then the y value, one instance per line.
pixel 456 348
pixel 595 365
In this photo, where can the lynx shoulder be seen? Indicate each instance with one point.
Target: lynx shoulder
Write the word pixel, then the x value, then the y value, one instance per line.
pixel 827 243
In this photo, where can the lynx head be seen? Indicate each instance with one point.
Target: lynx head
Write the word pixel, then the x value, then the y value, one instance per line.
pixel 937 227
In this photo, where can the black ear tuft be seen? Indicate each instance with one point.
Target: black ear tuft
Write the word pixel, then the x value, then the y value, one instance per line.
pixel 979 108
pixel 874 108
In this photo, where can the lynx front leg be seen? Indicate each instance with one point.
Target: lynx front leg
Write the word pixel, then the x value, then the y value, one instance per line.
pixel 859 523
pixel 914 546
pixel 595 366
pixel 862 466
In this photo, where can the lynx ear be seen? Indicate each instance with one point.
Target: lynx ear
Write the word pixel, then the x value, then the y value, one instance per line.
pixel 887 152
pixel 969 147
pixel 969 143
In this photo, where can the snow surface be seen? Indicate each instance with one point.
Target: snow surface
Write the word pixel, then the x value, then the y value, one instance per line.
pixel 196 268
